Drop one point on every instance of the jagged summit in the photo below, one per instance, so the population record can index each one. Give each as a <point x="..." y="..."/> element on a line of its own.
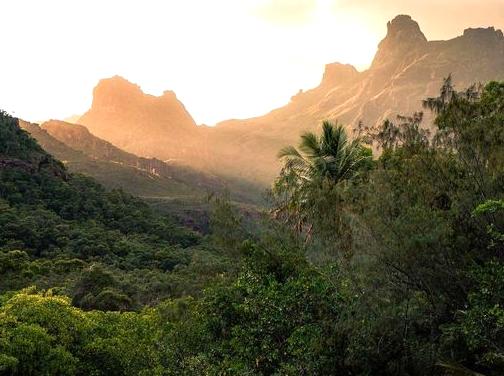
<point x="485" y="37"/>
<point x="109" y="90"/>
<point x="118" y="91"/>
<point x="406" y="69"/>
<point x="169" y="94"/>
<point x="130" y="119"/>
<point x="336" y="73"/>
<point x="118" y="81"/>
<point x="404" y="37"/>
<point x="404" y="29"/>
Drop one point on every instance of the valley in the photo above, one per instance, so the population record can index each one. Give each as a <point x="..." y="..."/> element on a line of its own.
<point x="358" y="230"/>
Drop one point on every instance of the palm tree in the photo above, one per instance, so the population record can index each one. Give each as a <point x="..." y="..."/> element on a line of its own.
<point x="332" y="156"/>
<point x="319" y="161"/>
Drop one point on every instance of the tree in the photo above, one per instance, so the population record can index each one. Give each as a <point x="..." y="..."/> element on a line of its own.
<point x="312" y="171"/>
<point x="331" y="156"/>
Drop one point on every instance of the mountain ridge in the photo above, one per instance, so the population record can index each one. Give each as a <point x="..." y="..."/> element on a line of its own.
<point x="406" y="69"/>
<point x="85" y="153"/>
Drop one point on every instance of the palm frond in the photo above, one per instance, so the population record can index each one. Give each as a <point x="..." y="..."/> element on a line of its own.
<point x="310" y="145"/>
<point x="289" y="151"/>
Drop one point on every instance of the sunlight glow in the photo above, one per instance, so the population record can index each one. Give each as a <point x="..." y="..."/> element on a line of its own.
<point x="223" y="58"/>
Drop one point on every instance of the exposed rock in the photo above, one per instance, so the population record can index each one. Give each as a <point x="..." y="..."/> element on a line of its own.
<point x="406" y="69"/>
<point x="79" y="138"/>
<point x="140" y="123"/>
<point x="403" y="39"/>
<point x="16" y="164"/>
<point x="486" y="35"/>
<point x="337" y="74"/>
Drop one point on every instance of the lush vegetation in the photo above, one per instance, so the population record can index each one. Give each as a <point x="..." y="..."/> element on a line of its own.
<point x="168" y="187"/>
<point x="104" y="249"/>
<point x="384" y="266"/>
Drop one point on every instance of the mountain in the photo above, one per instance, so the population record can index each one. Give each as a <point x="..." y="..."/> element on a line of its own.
<point x="79" y="138"/>
<point x="406" y="69"/>
<point x="139" y="123"/>
<point x="55" y="147"/>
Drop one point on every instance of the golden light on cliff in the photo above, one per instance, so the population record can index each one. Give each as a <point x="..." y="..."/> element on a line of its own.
<point x="223" y="58"/>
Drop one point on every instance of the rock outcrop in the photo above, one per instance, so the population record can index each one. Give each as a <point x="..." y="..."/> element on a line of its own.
<point x="139" y="123"/>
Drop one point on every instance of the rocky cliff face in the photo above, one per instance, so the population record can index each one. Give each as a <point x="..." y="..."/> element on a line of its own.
<point x="406" y="69"/>
<point x="139" y="123"/>
<point x="404" y="41"/>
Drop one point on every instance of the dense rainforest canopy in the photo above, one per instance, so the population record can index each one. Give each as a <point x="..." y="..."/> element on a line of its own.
<point x="390" y="265"/>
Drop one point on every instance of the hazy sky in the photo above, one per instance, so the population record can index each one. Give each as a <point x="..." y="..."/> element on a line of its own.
<point x="223" y="58"/>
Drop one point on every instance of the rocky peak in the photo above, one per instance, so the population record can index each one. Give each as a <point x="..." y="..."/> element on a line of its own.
<point x="403" y="37"/>
<point x="140" y="123"/>
<point x="483" y="36"/>
<point x="403" y="29"/>
<point x="115" y="89"/>
<point x="169" y="94"/>
<point x="338" y="74"/>
<point x="117" y="95"/>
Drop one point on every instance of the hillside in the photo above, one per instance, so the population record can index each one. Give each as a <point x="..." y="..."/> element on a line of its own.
<point x="391" y="266"/>
<point x="59" y="229"/>
<point x="170" y="180"/>
<point x="135" y="178"/>
<point x="357" y="230"/>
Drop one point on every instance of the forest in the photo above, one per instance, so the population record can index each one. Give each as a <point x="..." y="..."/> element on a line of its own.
<point x="380" y="252"/>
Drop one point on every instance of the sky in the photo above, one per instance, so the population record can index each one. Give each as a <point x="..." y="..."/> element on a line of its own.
<point x="223" y="58"/>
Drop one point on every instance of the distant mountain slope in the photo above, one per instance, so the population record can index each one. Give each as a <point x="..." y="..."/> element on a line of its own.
<point x="84" y="153"/>
<point x="79" y="138"/>
<point x="55" y="147"/>
<point x="406" y="69"/>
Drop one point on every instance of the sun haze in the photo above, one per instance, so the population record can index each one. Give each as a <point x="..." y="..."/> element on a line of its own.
<point x="223" y="58"/>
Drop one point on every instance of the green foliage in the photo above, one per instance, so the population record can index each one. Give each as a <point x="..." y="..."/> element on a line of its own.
<point x="424" y="235"/>
<point x="14" y="142"/>
<point x="476" y="336"/>
<point x="276" y="318"/>
<point x="42" y="334"/>
<point x="489" y="209"/>
<point x="419" y="291"/>
<point x="314" y="171"/>
<point x="55" y="226"/>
